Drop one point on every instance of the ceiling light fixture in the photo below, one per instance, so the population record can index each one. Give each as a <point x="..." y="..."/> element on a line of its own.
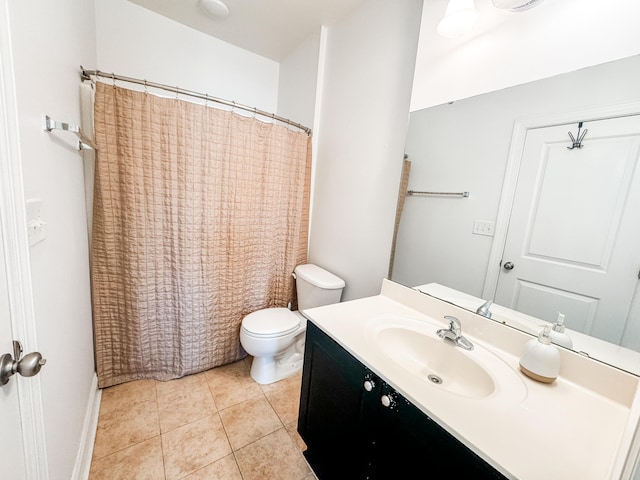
<point x="214" y="8"/>
<point x="459" y="18"/>
<point x="515" y="5"/>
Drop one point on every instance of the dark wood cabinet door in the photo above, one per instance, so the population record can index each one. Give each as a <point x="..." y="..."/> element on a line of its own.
<point x="412" y="445"/>
<point x="331" y="410"/>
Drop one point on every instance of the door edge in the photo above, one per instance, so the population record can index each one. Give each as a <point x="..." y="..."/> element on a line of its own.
<point x="14" y="232"/>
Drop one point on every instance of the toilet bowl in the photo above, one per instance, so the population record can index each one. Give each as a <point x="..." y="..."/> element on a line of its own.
<point x="275" y="339"/>
<point x="275" y="336"/>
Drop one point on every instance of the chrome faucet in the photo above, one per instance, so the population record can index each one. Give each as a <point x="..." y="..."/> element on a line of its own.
<point x="484" y="309"/>
<point x="454" y="333"/>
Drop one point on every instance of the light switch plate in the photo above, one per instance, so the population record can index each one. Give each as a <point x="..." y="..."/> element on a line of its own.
<point x="36" y="226"/>
<point x="484" y="227"/>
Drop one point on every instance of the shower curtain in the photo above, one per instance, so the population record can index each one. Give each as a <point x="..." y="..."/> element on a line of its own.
<point x="402" y="195"/>
<point x="200" y="216"/>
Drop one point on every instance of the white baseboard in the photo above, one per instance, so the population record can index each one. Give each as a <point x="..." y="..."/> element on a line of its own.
<point x="89" y="427"/>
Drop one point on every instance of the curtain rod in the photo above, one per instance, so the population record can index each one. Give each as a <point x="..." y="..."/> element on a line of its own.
<point x="87" y="74"/>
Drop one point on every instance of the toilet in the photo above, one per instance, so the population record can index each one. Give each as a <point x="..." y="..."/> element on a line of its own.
<point x="275" y="336"/>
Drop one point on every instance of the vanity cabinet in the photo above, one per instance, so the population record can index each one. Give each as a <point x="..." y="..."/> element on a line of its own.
<point x="356" y="426"/>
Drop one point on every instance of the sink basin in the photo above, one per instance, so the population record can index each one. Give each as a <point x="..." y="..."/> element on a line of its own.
<point x="414" y="346"/>
<point x="436" y="361"/>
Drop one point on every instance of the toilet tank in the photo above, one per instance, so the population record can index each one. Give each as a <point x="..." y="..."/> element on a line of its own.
<point x="316" y="286"/>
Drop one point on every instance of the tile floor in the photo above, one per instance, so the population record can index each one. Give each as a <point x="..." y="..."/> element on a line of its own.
<point x="215" y="425"/>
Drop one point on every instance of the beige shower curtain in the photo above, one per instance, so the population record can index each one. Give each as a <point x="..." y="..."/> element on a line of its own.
<point x="402" y="196"/>
<point x="200" y="216"/>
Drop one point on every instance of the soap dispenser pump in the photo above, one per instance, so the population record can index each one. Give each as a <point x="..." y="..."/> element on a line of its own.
<point x="541" y="359"/>
<point x="558" y="335"/>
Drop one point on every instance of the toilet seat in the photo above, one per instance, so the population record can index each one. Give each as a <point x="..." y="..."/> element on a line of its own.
<point x="270" y="322"/>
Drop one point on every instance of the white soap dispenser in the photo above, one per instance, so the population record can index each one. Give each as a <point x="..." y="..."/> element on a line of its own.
<point x="558" y="335"/>
<point x="541" y="359"/>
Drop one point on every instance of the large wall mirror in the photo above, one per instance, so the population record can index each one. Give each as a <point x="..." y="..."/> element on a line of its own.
<point x="546" y="228"/>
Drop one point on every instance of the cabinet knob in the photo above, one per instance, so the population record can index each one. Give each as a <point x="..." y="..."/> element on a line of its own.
<point x="388" y="400"/>
<point x="369" y="385"/>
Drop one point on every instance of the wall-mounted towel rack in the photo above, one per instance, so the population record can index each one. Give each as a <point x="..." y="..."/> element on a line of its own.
<point x="83" y="142"/>
<point x="439" y="194"/>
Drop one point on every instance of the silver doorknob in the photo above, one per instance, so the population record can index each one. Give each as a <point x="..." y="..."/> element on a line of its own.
<point x="508" y="266"/>
<point x="31" y="364"/>
<point x="27" y="366"/>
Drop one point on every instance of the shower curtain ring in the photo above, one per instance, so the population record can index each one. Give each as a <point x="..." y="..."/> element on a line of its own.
<point x="177" y="92"/>
<point x="206" y="99"/>
<point x="113" y="79"/>
<point x="145" y="86"/>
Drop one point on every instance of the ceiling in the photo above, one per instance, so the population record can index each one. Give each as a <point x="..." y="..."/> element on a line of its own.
<point x="271" y="28"/>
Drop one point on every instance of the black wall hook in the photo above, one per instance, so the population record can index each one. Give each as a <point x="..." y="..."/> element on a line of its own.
<point x="577" y="141"/>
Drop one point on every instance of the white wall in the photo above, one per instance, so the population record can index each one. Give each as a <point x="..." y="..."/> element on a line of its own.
<point x="363" y="116"/>
<point x="507" y="49"/>
<point x="135" y="42"/>
<point x="297" y="82"/>
<point x="464" y="147"/>
<point x="50" y="41"/>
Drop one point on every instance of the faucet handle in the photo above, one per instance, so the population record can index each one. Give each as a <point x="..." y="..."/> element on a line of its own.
<point x="454" y="324"/>
<point x="454" y="333"/>
<point x="484" y="308"/>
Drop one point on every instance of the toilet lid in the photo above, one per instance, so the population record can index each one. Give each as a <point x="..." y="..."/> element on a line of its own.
<point x="271" y="321"/>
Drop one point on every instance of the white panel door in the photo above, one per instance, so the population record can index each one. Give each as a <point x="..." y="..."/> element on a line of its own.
<point x="574" y="234"/>
<point x="12" y="461"/>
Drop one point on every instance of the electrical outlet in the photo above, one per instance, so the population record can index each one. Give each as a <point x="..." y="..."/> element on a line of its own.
<point x="484" y="227"/>
<point x="36" y="226"/>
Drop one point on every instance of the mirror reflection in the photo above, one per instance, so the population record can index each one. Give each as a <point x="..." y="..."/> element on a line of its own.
<point x="550" y="230"/>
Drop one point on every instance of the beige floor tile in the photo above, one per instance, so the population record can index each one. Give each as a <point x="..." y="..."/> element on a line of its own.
<point x="196" y="441"/>
<point x="292" y="429"/>
<point x="224" y="469"/>
<point x="127" y="395"/>
<point x="193" y="446"/>
<point x="184" y="405"/>
<point x="142" y="461"/>
<point x="284" y="383"/>
<point x="248" y="360"/>
<point x="125" y="427"/>
<point x="248" y="421"/>
<point x="273" y="457"/>
<point x="292" y="426"/>
<point x="171" y="386"/>
<point x="231" y="384"/>
<point x="284" y="397"/>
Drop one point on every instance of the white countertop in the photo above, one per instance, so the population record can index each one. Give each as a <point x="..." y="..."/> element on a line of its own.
<point x="579" y="427"/>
